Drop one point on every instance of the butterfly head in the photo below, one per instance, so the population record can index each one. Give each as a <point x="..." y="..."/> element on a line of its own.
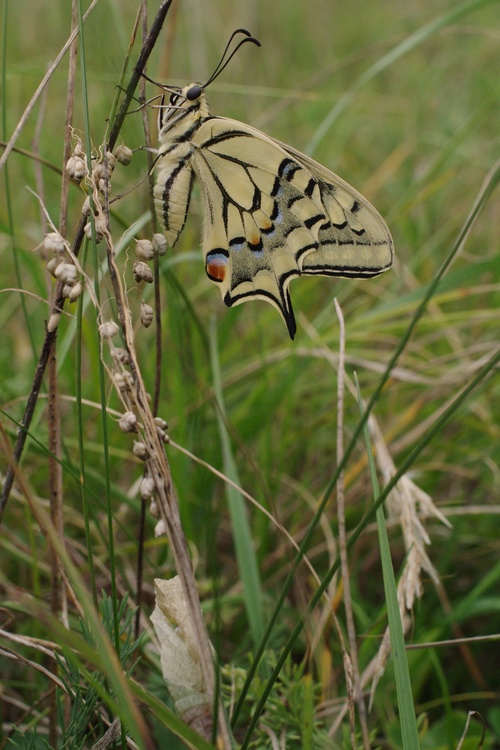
<point x="182" y="109"/>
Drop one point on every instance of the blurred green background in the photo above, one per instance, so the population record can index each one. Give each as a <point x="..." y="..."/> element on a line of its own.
<point x="418" y="138"/>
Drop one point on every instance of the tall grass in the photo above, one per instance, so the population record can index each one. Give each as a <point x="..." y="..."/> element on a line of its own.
<point x="400" y="100"/>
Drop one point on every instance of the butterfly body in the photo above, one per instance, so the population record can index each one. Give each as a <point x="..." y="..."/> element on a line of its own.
<point x="271" y="213"/>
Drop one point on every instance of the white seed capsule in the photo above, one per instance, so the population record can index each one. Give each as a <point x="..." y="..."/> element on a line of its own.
<point x="79" y="150"/>
<point x="53" y="322"/>
<point x="123" y="155"/>
<point x="99" y="229"/>
<point x="124" y="381"/>
<point x="54" y="243"/>
<point x="160" y="528"/>
<point x="86" y="206"/>
<point x="104" y="186"/>
<point x="76" y="169"/>
<point x="52" y="264"/>
<point x="100" y="171"/>
<point x="121" y="382"/>
<point x="161" y="423"/>
<point x="162" y="435"/>
<point x="67" y="273"/>
<point x="160" y="243"/>
<point x="144" y="250"/>
<point x="147" y="488"/>
<point x="142" y="272"/>
<point x="109" y="329"/>
<point x="139" y="449"/>
<point x="120" y="355"/>
<point x="147" y="314"/>
<point x="75" y="291"/>
<point x="128" y="422"/>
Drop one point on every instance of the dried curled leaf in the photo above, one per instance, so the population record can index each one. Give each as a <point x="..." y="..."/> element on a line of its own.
<point x="179" y="652"/>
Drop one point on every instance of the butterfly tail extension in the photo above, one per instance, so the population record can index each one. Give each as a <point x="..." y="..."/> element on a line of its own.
<point x="270" y="289"/>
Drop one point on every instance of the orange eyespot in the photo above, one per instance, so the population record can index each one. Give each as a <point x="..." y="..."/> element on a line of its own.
<point x="216" y="264"/>
<point x="216" y="271"/>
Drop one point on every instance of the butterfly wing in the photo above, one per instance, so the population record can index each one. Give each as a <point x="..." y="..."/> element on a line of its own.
<point x="273" y="214"/>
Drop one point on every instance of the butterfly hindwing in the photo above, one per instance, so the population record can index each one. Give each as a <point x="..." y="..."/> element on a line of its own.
<point x="357" y="243"/>
<point x="273" y="214"/>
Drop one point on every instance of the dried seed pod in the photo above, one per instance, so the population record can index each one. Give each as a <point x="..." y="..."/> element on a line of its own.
<point x="162" y="435"/>
<point x="79" y="150"/>
<point x="123" y="155"/>
<point x="109" y="329"/>
<point x="128" y="422"/>
<point x="67" y="290"/>
<point x="86" y="206"/>
<point x="147" y="314"/>
<point x="120" y="355"/>
<point x="154" y="509"/>
<point x="99" y="172"/>
<point x="53" y="322"/>
<point x="75" y="291"/>
<point x="144" y="250"/>
<point x="160" y="243"/>
<point x="159" y="422"/>
<point x="123" y="381"/>
<point x="104" y="167"/>
<point x="54" y="243"/>
<point x="104" y="186"/>
<point x="140" y="450"/>
<point x="142" y="272"/>
<point x="99" y="225"/>
<point x="67" y="273"/>
<point x="160" y="528"/>
<point x="147" y="488"/>
<point x="76" y="169"/>
<point x="52" y="264"/>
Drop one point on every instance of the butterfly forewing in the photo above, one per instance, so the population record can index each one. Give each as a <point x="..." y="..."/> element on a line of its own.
<point x="271" y="213"/>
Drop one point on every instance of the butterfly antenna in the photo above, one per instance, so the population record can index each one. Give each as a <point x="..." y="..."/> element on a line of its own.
<point x="160" y="85"/>
<point x="223" y="62"/>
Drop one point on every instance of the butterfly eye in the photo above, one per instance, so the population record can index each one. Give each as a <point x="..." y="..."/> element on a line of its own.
<point x="193" y="93"/>
<point x="173" y="98"/>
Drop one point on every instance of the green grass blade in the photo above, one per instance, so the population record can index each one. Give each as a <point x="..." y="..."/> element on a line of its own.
<point x="408" y="720"/>
<point x="244" y="546"/>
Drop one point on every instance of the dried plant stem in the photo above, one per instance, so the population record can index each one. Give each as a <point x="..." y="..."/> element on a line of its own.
<point x="59" y="601"/>
<point x="352" y="672"/>
<point x="70" y="106"/>
<point x="159" y="469"/>
<point x="157" y="327"/>
<point x="51" y="330"/>
<point x="59" y="604"/>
